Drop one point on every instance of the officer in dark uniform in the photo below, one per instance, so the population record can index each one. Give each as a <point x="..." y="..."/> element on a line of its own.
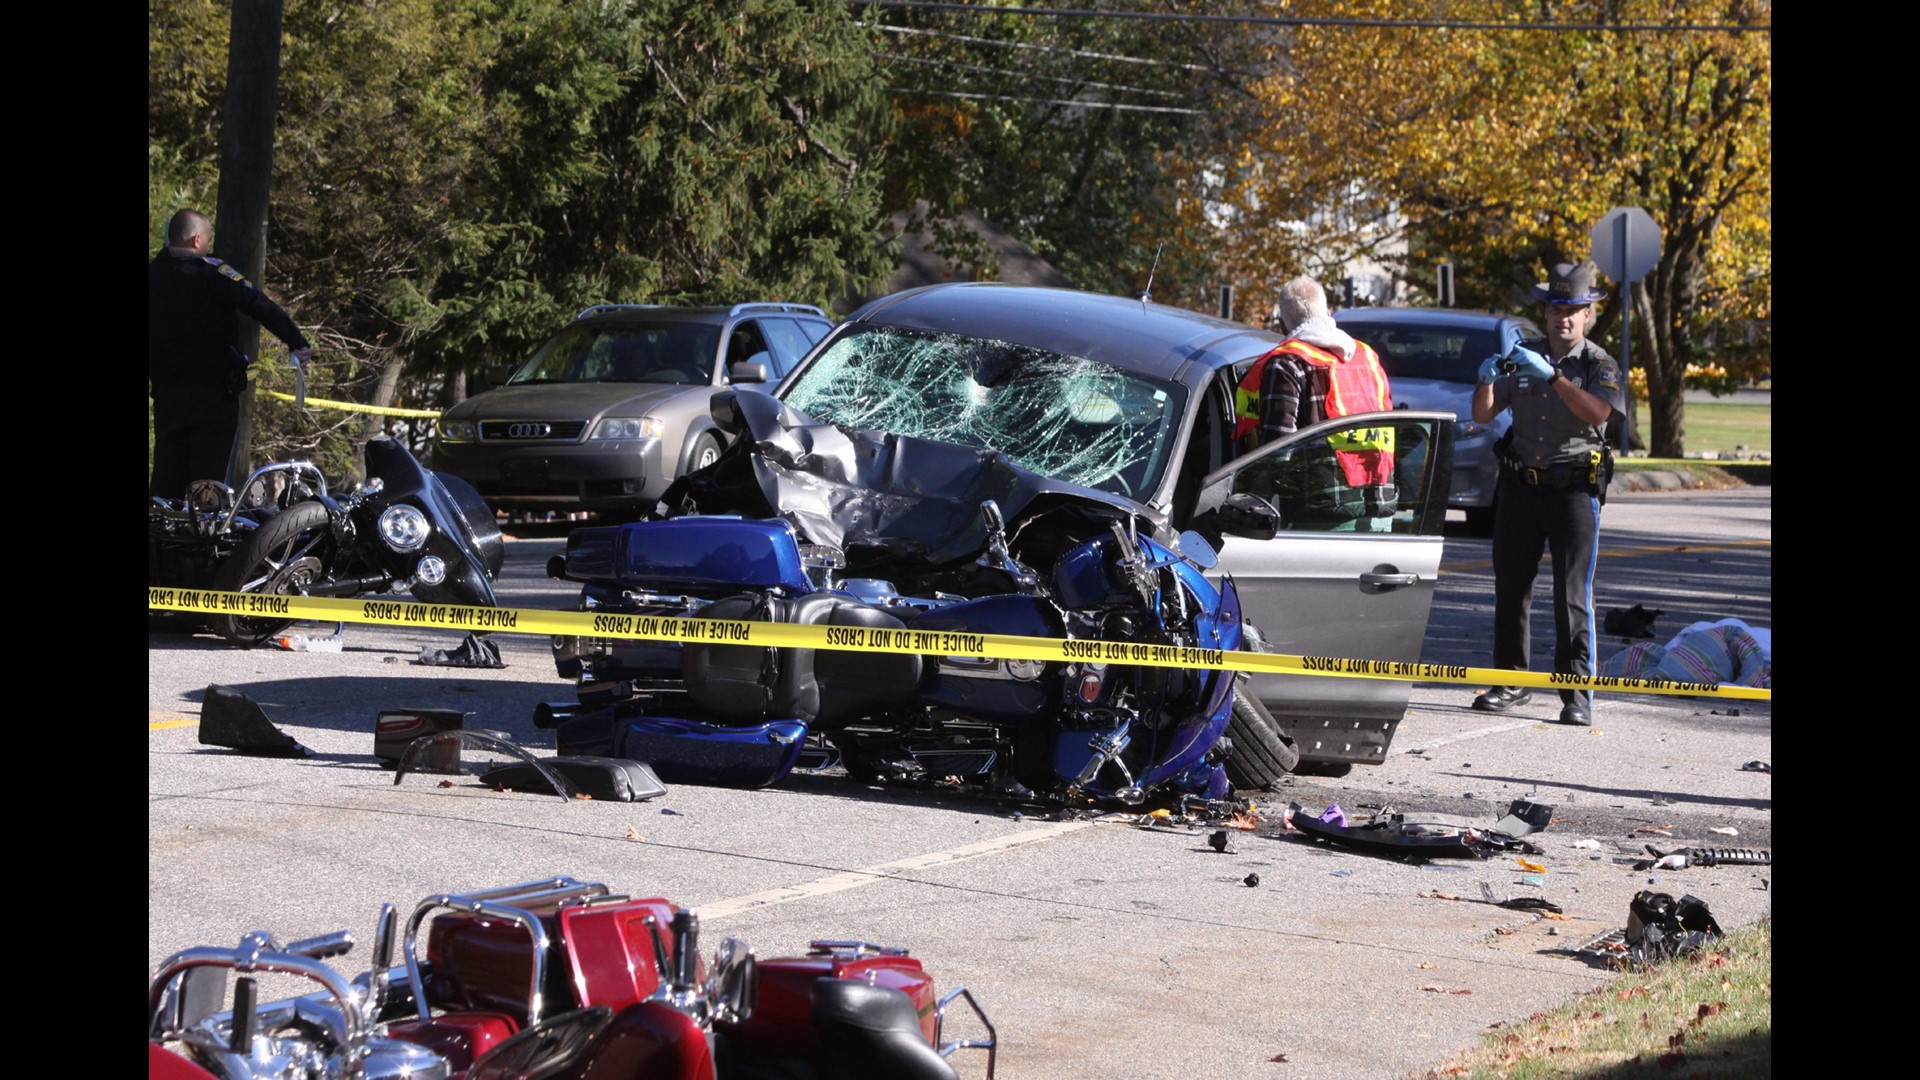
<point x="1553" y="478"/>
<point x="195" y="370"/>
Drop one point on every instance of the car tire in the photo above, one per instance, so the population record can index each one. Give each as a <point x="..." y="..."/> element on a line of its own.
<point x="1262" y="753"/>
<point x="704" y="452"/>
<point x="281" y="557"/>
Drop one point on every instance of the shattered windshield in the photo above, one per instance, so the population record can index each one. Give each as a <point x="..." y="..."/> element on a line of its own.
<point x="1061" y="416"/>
<point x="589" y="351"/>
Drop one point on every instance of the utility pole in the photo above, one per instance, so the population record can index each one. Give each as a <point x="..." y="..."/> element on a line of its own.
<point x="246" y="174"/>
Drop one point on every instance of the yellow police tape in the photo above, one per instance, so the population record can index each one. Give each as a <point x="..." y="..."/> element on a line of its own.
<point x="876" y="639"/>
<point x="352" y="406"/>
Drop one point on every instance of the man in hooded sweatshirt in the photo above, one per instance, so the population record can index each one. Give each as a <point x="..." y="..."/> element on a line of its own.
<point x="1320" y="372"/>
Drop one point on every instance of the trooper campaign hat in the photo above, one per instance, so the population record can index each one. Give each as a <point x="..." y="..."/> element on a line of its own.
<point x="1569" y="283"/>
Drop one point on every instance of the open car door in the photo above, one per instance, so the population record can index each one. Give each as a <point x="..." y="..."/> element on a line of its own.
<point x="1330" y="569"/>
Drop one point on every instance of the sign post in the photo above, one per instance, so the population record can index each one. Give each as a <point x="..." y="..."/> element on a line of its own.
<point x="1626" y="245"/>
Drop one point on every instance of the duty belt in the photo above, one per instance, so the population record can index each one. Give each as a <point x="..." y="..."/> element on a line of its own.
<point x="1560" y="474"/>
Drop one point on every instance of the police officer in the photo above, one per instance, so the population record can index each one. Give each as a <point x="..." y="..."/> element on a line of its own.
<point x="1553" y="478"/>
<point x="195" y="370"/>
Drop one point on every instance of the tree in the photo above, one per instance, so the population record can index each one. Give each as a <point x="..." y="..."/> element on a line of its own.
<point x="1500" y="148"/>
<point x="456" y="178"/>
<point x="1057" y="129"/>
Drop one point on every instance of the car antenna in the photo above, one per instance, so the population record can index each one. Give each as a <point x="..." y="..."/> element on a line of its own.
<point x="1146" y="294"/>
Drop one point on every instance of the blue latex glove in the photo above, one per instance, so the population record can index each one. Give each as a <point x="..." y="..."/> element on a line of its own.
<point x="1490" y="370"/>
<point x="1531" y="363"/>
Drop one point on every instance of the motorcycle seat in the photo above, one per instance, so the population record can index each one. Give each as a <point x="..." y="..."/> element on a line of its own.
<point x="873" y="1031"/>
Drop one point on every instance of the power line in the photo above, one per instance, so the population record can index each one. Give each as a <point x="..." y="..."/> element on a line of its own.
<point x="957" y="65"/>
<point x="1289" y="20"/>
<point x="1046" y="101"/>
<point x="1038" y="48"/>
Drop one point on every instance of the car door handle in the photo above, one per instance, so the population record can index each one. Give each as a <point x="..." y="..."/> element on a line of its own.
<point x="1378" y="581"/>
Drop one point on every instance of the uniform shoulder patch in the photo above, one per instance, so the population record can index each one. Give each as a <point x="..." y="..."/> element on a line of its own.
<point x="232" y="273"/>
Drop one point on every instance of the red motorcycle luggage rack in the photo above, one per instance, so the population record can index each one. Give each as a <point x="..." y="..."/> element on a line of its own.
<point x="490" y="949"/>
<point x="495" y="950"/>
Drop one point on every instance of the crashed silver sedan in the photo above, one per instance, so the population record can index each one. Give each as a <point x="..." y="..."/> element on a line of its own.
<point x="1135" y="399"/>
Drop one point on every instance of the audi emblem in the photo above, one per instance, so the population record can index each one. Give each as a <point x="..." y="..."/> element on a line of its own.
<point x="529" y="431"/>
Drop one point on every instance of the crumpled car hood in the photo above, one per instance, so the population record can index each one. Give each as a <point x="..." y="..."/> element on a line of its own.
<point x="876" y="495"/>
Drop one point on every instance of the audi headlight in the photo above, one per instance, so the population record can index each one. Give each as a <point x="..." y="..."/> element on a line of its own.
<point x="431" y="570"/>
<point x="404" y="527"/>
<point x="646" y="427"/>
<point x="456" y="430"/>
<point x="1468" y="429"/>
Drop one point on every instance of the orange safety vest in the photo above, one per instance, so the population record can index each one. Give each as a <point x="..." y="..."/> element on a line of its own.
<point x="1354" y="385"/>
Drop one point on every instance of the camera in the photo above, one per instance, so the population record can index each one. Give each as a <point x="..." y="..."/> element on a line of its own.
<point x="1508" y="365"/>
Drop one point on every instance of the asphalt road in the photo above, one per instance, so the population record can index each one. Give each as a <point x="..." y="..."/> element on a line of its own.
<point x="1100" y="948"/>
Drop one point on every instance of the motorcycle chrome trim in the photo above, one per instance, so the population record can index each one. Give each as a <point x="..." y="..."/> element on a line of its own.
<point x="945" y="1048"/>
<point x="663" y="600"/>
<point x="498" y="903"/>
<point x="1106" y="747"/>
<point x="299" y="471"/>
<point x="431" y="569"/>
<point x="851" y="950"/>
<point x="733" y="982"/>
<point x="404" y="528"/>
<point x="256" y="954"/>
<point x="986" y="667"/>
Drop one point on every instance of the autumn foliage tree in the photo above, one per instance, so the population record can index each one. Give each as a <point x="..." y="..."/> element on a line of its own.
<point x="1499" y="142"/>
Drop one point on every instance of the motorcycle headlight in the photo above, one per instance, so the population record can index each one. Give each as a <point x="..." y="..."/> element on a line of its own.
<point x="431" y="570"/>
<point x="646" y="427"/>
<point x="404" y="527"/>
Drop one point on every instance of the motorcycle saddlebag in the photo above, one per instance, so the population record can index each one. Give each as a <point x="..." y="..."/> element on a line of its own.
<point x="682" y="751"/>
<point x="759" y="683"/>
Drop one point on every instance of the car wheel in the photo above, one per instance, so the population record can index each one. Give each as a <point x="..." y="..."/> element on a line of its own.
<point x="1262" y="753"/>
<point x="706" y="451"/>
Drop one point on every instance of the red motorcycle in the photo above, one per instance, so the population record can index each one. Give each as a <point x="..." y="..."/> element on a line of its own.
<point x="550" y="980"/>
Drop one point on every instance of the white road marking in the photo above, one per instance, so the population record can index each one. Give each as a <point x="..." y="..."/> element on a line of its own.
<point x="1476" y="733"/>
<point x="853" y="879"/>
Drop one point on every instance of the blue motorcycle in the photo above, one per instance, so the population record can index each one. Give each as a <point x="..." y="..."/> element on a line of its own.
<point x="884" y="539"/>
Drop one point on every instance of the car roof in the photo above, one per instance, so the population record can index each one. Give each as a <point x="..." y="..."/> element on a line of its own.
<point x="1429" y="316"/>
<point x="699" y="313"/>
<point x="1135" y="336"/>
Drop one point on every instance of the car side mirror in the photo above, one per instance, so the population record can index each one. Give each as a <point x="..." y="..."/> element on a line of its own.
<point x="750" y="371"/>
<point x="724" y="408"/>
<point x="1249" y="515"/>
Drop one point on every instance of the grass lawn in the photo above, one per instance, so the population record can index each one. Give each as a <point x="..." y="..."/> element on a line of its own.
<point x="1709" y="1014"/>
<point x="1723" y="426"/>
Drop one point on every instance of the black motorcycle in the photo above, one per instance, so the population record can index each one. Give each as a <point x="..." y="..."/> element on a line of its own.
<point x="405" y="529"/>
